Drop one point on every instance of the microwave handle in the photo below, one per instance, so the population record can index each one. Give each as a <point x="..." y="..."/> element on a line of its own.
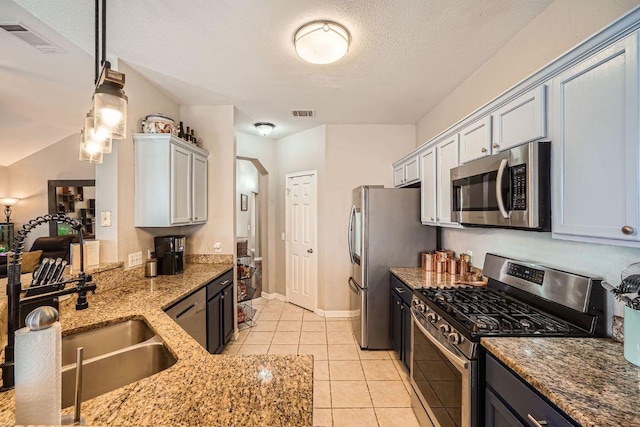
<point x="501" y="168"/>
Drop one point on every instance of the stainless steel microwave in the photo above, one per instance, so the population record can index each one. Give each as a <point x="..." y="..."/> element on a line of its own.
<point x="510" y="189"/>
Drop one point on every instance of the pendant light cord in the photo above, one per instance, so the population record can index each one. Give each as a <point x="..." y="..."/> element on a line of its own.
<point x="96" y="43"/>
<point x="104" y="32"/>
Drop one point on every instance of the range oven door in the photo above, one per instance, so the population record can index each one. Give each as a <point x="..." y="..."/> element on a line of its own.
<point x="442" y="378"/>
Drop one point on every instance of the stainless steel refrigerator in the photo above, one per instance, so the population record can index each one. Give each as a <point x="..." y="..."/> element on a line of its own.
<point x="384" y="231"/>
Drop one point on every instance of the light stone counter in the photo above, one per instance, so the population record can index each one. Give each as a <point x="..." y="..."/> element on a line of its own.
<point x="418" y="278"/>
<point x="588" y="378"/>
<point x="200" y="389"/>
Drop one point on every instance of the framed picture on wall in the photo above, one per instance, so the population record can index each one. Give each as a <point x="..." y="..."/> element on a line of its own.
<point x="244" y="202"/>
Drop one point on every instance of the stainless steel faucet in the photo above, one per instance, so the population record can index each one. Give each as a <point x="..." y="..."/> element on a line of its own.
<point x="83" y="283"/>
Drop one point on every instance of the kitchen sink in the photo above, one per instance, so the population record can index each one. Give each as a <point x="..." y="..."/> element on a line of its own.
<point x="114" y="356"/>
<point x="105" y="339"/>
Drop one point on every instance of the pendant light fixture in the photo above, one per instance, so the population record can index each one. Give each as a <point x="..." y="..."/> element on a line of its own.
<point x="322" y="42"/>
<point x="107" y="119"/>
<point x="264" y="128"/>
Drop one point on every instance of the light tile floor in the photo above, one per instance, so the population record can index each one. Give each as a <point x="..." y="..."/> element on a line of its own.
<point x="351" y="387"/>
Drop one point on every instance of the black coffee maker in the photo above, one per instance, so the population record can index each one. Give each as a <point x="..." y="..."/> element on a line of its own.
<point x="170" y="254"/>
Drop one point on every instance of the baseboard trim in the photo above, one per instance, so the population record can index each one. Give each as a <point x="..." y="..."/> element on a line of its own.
<point x="336" y="313"/>
<point x="274" y="295"/>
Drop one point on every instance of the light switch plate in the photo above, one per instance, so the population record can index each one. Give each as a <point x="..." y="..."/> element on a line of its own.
<point x="217" y="247"/>
<point x="135" y="259"/>
<point x="105" y="219"/>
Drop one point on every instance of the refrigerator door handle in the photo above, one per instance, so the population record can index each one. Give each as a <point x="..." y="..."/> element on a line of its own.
<point x="350" y="233"/>
<point x="354" y="286"/>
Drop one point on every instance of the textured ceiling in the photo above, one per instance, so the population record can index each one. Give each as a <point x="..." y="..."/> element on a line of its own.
<point x="405" y="56"/>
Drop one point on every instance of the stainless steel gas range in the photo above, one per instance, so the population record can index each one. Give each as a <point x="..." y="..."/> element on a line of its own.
<point x="520" y="299"/>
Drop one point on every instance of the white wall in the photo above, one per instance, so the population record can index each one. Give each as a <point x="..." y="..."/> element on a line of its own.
<point x="247" y="182"/>
<point x="214" y="124"/>
<point x="355" y="155"/>
<point x="562" y="25"/>
<point x="27" y="180"/>
<point x="115" y="177"/>
<point x="263" y="151"/>
<point x="4" y="181"/>
<point x="303" y="151"/>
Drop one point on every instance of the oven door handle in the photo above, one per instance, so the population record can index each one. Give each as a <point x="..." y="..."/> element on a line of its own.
<point x="460" y="363"/>
<point x="503" y="165"/>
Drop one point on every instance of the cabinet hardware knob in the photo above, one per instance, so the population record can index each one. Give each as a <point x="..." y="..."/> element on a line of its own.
<point x="310" y="251"/>
<point x="437" y="219"/>
<point x="536" y="422"/>
<point x="484" y="150"/>
<point x="431" y="218"/>
<point x="496" y="145"/>
<point x="627" y="230"/>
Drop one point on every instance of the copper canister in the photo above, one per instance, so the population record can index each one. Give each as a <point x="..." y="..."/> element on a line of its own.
<point x="465" y="266"/>
<point x="453" y="266"/>
<point x="466" y="257"/>
<point x="445" y="254"/>
<point x="428" y="261"/>
<point x="441" y="266"/>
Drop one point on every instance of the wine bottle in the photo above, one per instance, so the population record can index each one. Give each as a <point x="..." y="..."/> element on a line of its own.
<point x="187" y="136"/>
<point x="193" y="137"/>
<point x="181" y="131"/>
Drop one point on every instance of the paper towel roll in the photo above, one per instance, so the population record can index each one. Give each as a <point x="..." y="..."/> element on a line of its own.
<point x="38" y="360"/>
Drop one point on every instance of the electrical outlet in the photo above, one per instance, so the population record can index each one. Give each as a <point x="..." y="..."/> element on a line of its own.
<point x="135" y="259"/>
<point x="217" y="247"/>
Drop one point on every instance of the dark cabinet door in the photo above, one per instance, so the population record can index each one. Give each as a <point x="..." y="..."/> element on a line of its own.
<point x="396" y="323"/>
<point x="214" y="324"/>
<point x="406" y="335"/>
<point x="227" y="313"/>
<point x="497" y="414"/>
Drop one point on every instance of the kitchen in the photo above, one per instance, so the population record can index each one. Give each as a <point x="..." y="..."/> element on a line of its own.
<point x="331" y="149"/>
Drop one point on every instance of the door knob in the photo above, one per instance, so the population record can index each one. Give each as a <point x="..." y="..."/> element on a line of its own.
<point x="310" y="251"/>
<point x="627" y="230"/>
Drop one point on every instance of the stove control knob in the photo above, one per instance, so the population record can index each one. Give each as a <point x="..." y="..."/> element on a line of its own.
<point x="415" y="302"/>
<point x="454" y="338"/>
<point x="444" y="328"/>
<point x="432" y="317"/>
<point x="422" y="308"/>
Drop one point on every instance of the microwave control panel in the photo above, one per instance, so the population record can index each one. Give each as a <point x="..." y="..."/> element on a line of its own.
<point x="519" y="187"/>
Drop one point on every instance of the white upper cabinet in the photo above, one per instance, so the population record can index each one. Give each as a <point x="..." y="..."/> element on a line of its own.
<point x="170" y="181"/>
<point x="180" y="194"/>
<point x="475" y="140"/>
<point x="446" y="159"/>
<point x="594" y="131"/>
<point x="407" y="172"/>
<point x="428" y="180"/>
<point x="520" y="121"/>
<point x="200" y="188"/>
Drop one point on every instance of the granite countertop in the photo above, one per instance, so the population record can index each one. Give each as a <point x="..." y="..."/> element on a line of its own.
<point x="418" y="278"/>
<point x="588" y="378"/>
<point x="200" y="388"/>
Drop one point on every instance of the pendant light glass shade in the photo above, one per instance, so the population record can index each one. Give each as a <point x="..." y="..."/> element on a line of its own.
<point x="321" y="42"/>
<point x="89" y="150"/>
<point x="96" y="138"/>
<point x="110" y="109"/>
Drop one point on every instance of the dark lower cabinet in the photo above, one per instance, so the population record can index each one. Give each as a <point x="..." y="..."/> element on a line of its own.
<point x="401" y="319"/>
<point x="510" y="401"/>
<point x="227" y="313"/>
<point x="219" y="312"/>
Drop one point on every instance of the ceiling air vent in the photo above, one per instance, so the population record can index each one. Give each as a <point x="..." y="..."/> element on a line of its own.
<point x="26" y="35"/>
<point x="303" y="113"/>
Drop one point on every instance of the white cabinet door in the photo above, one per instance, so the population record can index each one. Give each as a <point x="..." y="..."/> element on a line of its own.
<point x="428" y="178"/>
<point x="199" y="182"/>
<point x="180" y="185"/>
<point x="398" y="175"/>
<point x="412" y="170"/>
<point x="447" y="158"/>
<point x="595" y="146"/>
<point x="521" y="120"/>
<point x="475" y="140"/>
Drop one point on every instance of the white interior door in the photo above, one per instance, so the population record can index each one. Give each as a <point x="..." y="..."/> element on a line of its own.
<point x="302" y="257"/>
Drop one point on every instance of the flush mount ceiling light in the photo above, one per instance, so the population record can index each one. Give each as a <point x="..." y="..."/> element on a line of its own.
<point x="264" y="128"/>
<point x="321" y="42"/>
